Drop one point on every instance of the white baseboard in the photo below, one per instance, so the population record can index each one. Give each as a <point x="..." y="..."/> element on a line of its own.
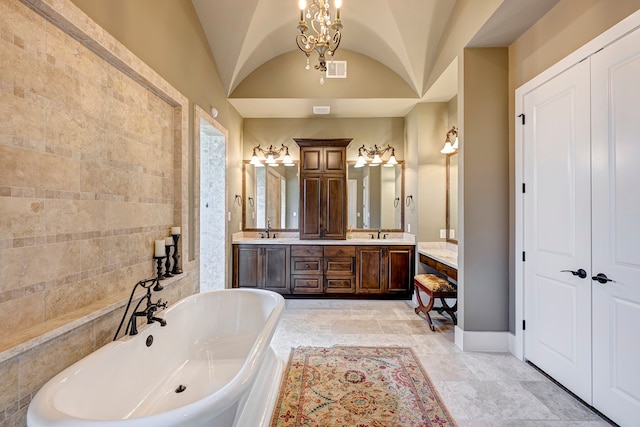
<point x="514" y="346"/>
<point x="482" y="340"/>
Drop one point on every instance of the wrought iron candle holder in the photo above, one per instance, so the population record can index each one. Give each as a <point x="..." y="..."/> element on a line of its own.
<point x="167" y="264"/>
<point x="160" y="277"/>
<point x="176" y="255"/>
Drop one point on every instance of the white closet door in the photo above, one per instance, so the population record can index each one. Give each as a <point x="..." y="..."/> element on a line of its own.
<point x="616" y="229"/>
<point x="557" y="229"/>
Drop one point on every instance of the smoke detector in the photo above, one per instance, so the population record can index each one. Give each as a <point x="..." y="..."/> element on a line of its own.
<point x="321" y="109"/>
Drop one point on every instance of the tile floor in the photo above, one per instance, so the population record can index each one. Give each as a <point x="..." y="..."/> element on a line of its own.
<point x="480" y="389"/>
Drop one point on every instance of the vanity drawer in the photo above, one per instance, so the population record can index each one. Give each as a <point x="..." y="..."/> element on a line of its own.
<point x="440" y="267"/>
<point x="306" y="265"/>
<point x="306" y="284"/>
<point x="341" y="266"/>
<point x="303" y="250"/>
<point x="429" y="261"/>
<point x="343" y="251"/>
<point x="340" y="285"/>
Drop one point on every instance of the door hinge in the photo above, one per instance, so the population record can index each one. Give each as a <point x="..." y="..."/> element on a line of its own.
<point x="522" y="117"/>
<point x="524" y="256"/>
<point x="524" y="324"/>
<point x="524" y="190"/>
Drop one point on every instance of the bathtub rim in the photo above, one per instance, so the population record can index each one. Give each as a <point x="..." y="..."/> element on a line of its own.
<point x="42" y="409"/>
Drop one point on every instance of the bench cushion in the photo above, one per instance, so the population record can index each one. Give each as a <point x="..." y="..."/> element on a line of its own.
<point x="434" y="283"/>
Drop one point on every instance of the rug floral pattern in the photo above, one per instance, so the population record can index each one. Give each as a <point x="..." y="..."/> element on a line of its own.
<point x="359" y="387"/>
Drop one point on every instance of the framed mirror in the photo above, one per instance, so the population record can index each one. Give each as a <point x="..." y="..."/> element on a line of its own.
<point x="375" y="197"/>
<point x="270" y="195"/>
<point x="452" y="198"/>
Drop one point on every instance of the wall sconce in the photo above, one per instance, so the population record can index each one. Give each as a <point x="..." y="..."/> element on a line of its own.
<point x="271" y="154"/>
<point x="450" y="147"/>
<point x="376" y="153"/>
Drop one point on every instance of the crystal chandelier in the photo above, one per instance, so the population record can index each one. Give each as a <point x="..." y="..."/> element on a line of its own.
<point x="325" y="38"/>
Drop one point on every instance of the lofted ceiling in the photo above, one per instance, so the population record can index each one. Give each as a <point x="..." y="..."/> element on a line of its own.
<point x="400" y="35"/>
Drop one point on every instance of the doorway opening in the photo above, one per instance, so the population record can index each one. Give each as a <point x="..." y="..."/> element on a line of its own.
<point x="213" y="226"/>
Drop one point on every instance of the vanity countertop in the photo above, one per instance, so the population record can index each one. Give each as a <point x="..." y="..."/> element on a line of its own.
<point x="446" y="253"/>
<point x="361" y="240"/>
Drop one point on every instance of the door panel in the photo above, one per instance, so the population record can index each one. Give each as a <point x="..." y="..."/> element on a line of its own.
<point x="335" y="206"/>
<point x="310" y="194"/>
<point x="369" y="277"/>
<point x="557" y="229"/>
<point x="616" y="229"/>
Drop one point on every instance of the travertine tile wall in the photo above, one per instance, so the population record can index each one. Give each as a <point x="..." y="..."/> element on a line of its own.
<point x="89" y="177"/>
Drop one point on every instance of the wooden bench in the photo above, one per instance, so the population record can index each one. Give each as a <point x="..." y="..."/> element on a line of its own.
<point x="435" y="287"/>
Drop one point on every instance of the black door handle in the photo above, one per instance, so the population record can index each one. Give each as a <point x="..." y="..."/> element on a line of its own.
<point x="580" y="273"/>
<point x="601" y="277"/>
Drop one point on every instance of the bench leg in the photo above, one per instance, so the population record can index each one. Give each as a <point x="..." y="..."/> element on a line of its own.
<point x="422" y="309"/>
<point x="451" y="311"/>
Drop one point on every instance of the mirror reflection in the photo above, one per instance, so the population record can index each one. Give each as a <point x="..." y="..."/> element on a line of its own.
<point x="375" y="197"/>
<point x="271" y="197"/>
<point x="452" y="197"/>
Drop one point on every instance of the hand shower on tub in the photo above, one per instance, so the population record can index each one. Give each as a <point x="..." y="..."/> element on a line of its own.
<point x="149" y="310"/>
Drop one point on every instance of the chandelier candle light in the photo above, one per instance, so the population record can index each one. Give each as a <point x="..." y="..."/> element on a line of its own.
<point x="326" y="34"/>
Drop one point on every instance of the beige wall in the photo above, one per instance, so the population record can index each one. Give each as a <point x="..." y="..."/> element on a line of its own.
<point x="484" y="183"/>
<point x="94" y="168"/>
<point x="430" y="198"/>
<point x="167" y="36"/>
<point x="564" y="29"/>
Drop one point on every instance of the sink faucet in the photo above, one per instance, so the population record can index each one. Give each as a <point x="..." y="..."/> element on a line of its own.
<point x="378" y="234"/>
<point x="268" y="229"/>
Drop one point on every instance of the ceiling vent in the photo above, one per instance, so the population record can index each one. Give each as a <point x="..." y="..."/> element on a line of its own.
<point x="321" y="109"/>
<point x="337" y="69"/>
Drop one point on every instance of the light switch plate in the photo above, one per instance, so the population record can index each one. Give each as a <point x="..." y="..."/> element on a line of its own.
<point x="443" y="233"/>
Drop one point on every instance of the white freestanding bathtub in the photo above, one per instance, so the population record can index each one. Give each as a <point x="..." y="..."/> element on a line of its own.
<point x="210" y="365"/>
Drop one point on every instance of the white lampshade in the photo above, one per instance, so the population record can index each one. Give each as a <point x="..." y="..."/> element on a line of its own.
<point x="392" y="161"/>
<point x="270" y="160"/>
<point x="360" y="162"/>
<point x="455" y="144"/>
<point x="447" y="149"/>
<point x="376" y="160"/>
<point x="287" y="160"/>
<point x="254" y="159"/>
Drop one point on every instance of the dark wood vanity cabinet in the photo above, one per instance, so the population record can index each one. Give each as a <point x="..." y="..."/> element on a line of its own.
<point x="323" y="188"/>
<point x="384" y="269"/>
<point x="325" y="270"/>
<point x="262" y="267"/>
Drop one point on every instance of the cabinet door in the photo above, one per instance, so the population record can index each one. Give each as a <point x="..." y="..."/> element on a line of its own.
<point x="311" y="159"/>
<point x="247" y="265"/>
<point x="400" y="263"/>
<point x="334" y="201"/>
<point x="276" y="262"/>
<point x="311" y="206"/>
<point x="370" y="270"/>
<point x="334" y="160"/>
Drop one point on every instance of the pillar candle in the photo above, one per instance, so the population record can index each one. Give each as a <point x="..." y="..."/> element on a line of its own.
<point x="175" y="230"/>
<point x="160" y="248"/>
<point x="168" y="241"/>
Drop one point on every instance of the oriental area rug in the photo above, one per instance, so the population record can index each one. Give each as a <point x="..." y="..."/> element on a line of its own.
<point x="359" y="387"/>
